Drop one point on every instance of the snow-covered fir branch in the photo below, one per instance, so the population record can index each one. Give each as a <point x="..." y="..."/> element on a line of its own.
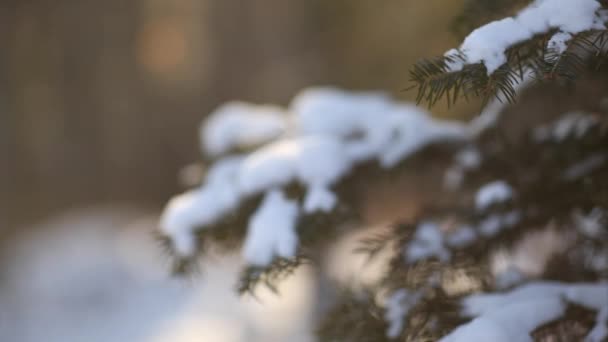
<point x="316" y="141"/>
<point x="514" y="230"/>
<point x="488" y="44"/>
<point x="557" y="40"/>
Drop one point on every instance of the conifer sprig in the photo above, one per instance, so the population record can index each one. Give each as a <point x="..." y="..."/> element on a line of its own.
<point x="434" y="81"/>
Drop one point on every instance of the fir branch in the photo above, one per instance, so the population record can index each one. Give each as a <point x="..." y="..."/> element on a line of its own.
<point x="356" y="318"/>
<point x="372" y="245"/>
<point x="433" y="79"/>
<point x="270" y="276"/>
<point x="552" y="199"/>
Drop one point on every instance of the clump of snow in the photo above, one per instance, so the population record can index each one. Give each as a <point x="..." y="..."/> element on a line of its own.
<point x="599" y="332"/>
<point x="319" y="198"/>
<point x="511" y="218"/>
<point x="461" y="237"/>
<point x="590" y="295"/>
<point x="369" y="124"/>
<point x="592" y="224"/>
<point x="513" y="321"/>
<point x="201" y="207"/>
<point x="271" y="230"/>
<point x="495" y="223"/>
<point x="314" y="160"/>
<point x="332" y="112"/>
<point x="412" y="129"/>
<point x="468" y="158"/>
<point x="491" y="225"/>
<point x="558" y="42"/>
<point x="487" y="44"/>
<point x="492" y="193"/>
<point x="508" y="278"/>
<point x="585" y="166"/>
<point x="453" y="177"/>
<point x="398" y="305"/>
<point x="427" y="242"/>
<point x="597" y="260"/>
<point x="571" y="124"/>
<point x="324" y="135"/>
<point x="513" y="315"/>
<point x="240" y="124"/>
<point x="465" y="160"/>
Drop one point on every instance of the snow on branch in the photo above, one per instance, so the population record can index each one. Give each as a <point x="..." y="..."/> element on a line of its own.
<point x="488" y="43"/>
<point x="315" y="142"/>
<point x="513" y="315"/>
<point x="240" y="125"/>
<point x="550" y="38"/>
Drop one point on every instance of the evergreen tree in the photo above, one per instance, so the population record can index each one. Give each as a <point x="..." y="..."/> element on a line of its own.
<point x="288" y="182"/>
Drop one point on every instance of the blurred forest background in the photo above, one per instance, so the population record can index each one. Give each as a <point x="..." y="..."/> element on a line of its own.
<point x="100" y="100"/>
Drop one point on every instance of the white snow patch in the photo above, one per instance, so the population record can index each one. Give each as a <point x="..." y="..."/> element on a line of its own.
<point x="314" y="160"/>
<point x="319" y="198"/>
<point x="599" y="332"/>
<point x="201" y="207"/>
<point x="398" y="305"/>
<point x="461" y="237"/>
<point x="331" y="111"/>
<point x="513" y="315"/>
<point x="329" y="132"/>
<point x="491" y="193"/>
<point x="495" y="223"/>
<point x="508" y="278"/>
<point x="592" y="224"/>
<point x="427" y="242"/>
<point x="571" y="124"/>
<point x="585" y="166"/>
<point x="241" y="124"/>
<point x="271" y="230"/>
<point x="413" y="129"/>
<point x="453" y="177"/>
<point x="466" y="159"/>
<point x="558" y="42"/>
<point x="491" y="225"/>
<point x="487" y="44"/>
<point x="370" y="124"/>
<point x="512" y="321"/>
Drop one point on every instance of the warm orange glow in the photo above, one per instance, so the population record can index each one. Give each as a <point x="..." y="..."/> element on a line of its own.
<point x="162" y="46"/>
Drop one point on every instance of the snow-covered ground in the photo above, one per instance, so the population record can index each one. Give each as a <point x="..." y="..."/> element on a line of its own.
<point x="98" y="275"/>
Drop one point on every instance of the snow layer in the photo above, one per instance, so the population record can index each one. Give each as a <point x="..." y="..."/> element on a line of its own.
<point x="491" y="193"/>
<point x="495" y="223"/>
<point x="427" y="242"/>
<point x="314" y="160"/>
<point x="510" y="322"/>
<point x="592" y="224"/>
<point x="272" y="230"/>
<point x="513" y="315"/>
<point x="398" y="305"/>
<point x="487" y="44"/>
<point x="369" y="124"/>
<point x="571" y="124"/>
<point x="467" y="159"/>
<point x="200" y="207"/>
<point x="558" y="42"/>
<point x="600" y="331"/>
<point x="585" y="166"/>
<point x="240" y="124"/>
<point x="331" y="132"/>
<point x="461" y="237"/>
